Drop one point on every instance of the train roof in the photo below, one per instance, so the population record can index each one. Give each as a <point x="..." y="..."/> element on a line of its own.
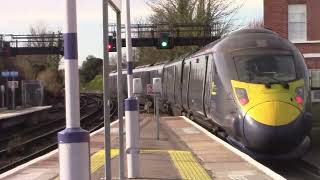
<point x="250" y="39"/>
<point x="227" y="45"/>
<point x="248" y="31"/>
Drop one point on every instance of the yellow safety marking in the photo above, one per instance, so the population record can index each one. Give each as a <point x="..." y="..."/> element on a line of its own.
<point x="184" y="161"/>
<point x="97" y="159"/>
<point x="187" y="166"/>
<point x="270" y="106"/>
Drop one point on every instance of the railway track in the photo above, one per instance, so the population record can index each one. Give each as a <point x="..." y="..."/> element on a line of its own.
<point x="295" y="169"/>
<point x="91" y="120"/>
<point x="56" y="118"/>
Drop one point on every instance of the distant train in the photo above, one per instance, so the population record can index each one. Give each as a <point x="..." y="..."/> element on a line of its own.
<point x="252" y="85"/>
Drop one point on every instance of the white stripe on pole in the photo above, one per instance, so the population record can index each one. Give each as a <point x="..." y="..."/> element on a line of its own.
<point x="72" y="94"/>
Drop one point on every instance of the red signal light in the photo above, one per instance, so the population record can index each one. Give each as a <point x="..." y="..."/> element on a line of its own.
<point x="109" y="46"/>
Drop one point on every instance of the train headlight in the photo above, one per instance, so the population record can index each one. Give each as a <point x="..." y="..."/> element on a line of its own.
<point x="242" y="96"/>
<point x="299" y="95"/>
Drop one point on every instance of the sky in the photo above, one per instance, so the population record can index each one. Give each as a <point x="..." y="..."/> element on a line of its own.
<point x="17" y="16"/>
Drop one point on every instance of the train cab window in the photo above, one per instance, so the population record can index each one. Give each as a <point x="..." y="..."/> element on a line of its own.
<point x="265" y="68"/>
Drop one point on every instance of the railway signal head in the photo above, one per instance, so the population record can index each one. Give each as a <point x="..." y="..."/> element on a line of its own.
<point x="165" y="41"/>
<point x="112" y="45"/>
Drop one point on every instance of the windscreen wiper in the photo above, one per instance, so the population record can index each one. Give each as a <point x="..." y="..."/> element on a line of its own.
<point x="283" y="83"/>
<point x="268" y="84"/>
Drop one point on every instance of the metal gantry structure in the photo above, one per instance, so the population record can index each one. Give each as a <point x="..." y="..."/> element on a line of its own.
<point x="148" y="35"/>
<point x="143" y="35"/>
<point x="13" y="45"/>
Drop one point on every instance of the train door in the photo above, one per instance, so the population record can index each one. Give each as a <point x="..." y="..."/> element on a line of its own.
<point x="196" y="87"/>
<point x="167" y="86"/>
<point x="174" y="83"/>
<point x="185" y="85"/>
<point x="211" y="90"/>
<point x="178" y="85"/>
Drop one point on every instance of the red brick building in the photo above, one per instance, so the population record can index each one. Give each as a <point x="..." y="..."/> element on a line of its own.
<point x="299" y="21"/>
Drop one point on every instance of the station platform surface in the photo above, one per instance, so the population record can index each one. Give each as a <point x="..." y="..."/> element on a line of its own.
<point x="184" y="151"/>
<point x="5" y="114"/>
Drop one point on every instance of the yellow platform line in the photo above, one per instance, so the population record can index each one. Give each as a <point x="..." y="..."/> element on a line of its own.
<point x="97" y="159"/>
<point x="187" y="166"/>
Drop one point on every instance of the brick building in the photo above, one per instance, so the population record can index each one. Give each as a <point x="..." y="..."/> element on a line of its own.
<point x="299" y="21"/>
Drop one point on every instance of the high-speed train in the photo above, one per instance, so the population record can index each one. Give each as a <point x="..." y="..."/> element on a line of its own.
<point x="252" y="85"/>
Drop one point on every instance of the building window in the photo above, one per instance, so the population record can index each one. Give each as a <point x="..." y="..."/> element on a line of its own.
<point x="297" y="22"/>
<point x="315" y="78"/>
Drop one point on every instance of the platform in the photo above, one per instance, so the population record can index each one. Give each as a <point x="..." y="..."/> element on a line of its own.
<point x="5" y="114"/>
<point x="184" y="151"/>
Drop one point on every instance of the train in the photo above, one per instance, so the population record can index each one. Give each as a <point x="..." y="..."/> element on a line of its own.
<point x="250" y="86"/>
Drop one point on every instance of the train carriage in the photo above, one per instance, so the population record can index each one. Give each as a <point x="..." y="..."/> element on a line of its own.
<point x="252" y="85"/>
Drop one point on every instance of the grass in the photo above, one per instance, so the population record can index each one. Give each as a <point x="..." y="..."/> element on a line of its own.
<point x="95" y="85"/>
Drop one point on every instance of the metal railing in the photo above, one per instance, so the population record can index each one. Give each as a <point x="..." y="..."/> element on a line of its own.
<point x="143" y="35"/>
<point x="42" y="40"/>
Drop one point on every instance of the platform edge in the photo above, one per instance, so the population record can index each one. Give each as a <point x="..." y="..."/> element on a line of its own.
<point x="38" y="159"/>
<point x="244" y="156"/>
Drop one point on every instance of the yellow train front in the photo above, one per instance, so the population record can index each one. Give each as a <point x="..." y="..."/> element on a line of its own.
<point x="261" y="92"/>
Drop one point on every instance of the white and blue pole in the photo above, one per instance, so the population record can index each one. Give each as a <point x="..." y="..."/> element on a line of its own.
<point x="131" y="108"/>
<point x="73" y="141"/>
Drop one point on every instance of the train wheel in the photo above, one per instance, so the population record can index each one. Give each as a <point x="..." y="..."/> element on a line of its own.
<point x="222" y="134"/>
<point x="215" y="130"/>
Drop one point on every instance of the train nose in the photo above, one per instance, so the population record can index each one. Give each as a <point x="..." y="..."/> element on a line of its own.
<point x="273" y="126"/>
<point x="274" y="113"/>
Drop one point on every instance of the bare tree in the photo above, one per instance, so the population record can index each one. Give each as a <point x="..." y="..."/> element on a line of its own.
<point x="209" y="12"/>
<point x="41" y="67"/>
<point x="213" y="14"/>
<point x="256" y="23"/>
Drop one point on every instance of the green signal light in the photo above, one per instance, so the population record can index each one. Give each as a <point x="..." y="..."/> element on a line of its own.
<point x="164" y="44"/>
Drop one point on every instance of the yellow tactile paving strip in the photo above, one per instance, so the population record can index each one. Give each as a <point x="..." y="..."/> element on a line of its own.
<point x="188" y="166"/>
<point x="184" y="161"/>
<point x="97" y="159"/>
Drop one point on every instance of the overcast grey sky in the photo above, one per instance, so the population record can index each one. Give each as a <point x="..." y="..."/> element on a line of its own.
<point x="18" y="15"/>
